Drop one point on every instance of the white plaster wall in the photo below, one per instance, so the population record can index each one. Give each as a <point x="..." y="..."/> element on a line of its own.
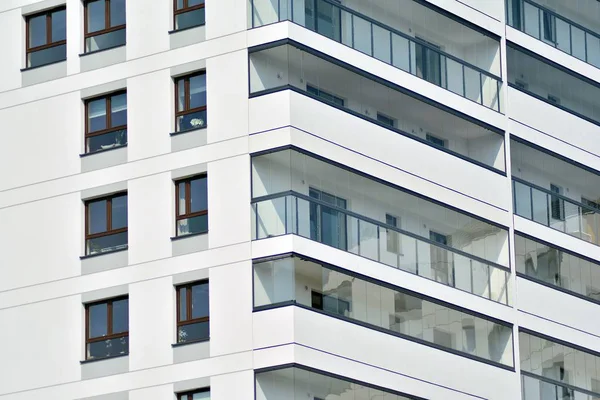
<point x="231" y="14"/>
<point x="13" y="54"/>
<point x="147" y="28"/>
<point x="239" y="385"/>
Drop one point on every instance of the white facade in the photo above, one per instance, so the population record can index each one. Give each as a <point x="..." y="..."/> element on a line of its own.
<point x="257" y="106"/>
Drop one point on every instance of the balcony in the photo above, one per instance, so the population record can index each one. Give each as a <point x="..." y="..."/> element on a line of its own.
<point x="557" y="28"/>
<point x="376" y="305"/>
<point x="296" y="194"/>
<point x="556" y="370"/>
<point x="455" y="56"/>
<point x="553" y="192"/>
<point x="296" y="67"/>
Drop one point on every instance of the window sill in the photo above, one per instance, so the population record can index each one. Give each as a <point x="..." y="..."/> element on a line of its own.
<point x="187" y="131"/>
<point x="175" y="238"/>
<point x="174" y="345"/>
<point x="103" y="253"/>
<point x="101" y="50"/>
<point x="103" y="151"/>
<point x="42" y="66"/>
<point x="93" y="360"/>
<point x="185" y="29"/>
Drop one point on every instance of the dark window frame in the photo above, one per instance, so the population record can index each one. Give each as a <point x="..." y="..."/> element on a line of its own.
<point x="49" y="43"/>
<point x="109" y="129"/>
<point x="185" y="9"/>
<point x="188" y="308"/>
<point x="109" y="322"/>
<point x="190" y="395"/>
<point x="186" y="93"/>
<point x="109" y="231"/>
<point x="188" y="202"/>
<point x="107" y="27"/>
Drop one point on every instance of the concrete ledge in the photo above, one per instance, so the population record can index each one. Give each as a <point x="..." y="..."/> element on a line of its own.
<point x="189" y="244"/>
<point x="103" y="159"/>
<point x="185" y="37"/>
<point x="43" y="73"/>
<point x="191" y="351"/>
<point x="103" y="58"/>
<point x="191" y="384"/>
<point x="106" y="293"/>
<point x="104" y="262"/>
<point x="188" y="139"/>
<point x="110" y="396"/>
<point x="104" y="367"/>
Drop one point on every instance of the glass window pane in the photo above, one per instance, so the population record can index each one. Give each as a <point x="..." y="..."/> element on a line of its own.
<point x="108" y="348"/>
<point x="117" y="12"/>
<point x="200" y="300"/>
<point x="179" y="4"/>
<point x="105" y="41"/>
<point x="182" y="304"/>
<point x="47" y="56"/>
<point x="198" y="91"/>
<point x="181" y="95"/>
<point x="97" y="217"/>
<point x="190" y="19"/>
<point x="95" y="16"/>
<point x="118" y="110"/>
<point x="192" y="3"/>
<point x="196" y="120"/>
<point x="98" y="319"/>
<point x="198" y="195"/>
<point x="97" y="115"/>
<point x="107" y="141"/>
<point x="119" y="212"/>
<point x="181" y="197"/>
<point x="120" y="316"/>
<point x="37" y="31"/>
<point x="201" y="396"/>
<point x="197" y="224"/>
<point x="192" y="332"/>
<point x="59" y="25"/>
<point x="102" y="244"/>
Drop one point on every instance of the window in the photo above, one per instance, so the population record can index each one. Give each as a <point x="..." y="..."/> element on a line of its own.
<point x="188" y="13"/>
<point x="192" y="312"/>
<point x="106" y="224"/>
<point x="521" y="84"/>
<point x="106" y="122"/>
<point x="107" y="328"/>
<point x="329" y="303"/>
<point x="440" y="265"/>
<point x="190" y="102"/>
<point x="324" y="95"/>
<point x="384" y="119"/>
<point x="554" y="99"/>
<point x="327" y="224"/>
<point x="104" y="22"/>
<point x="195" y="395"/>
<point x="557" y="205"/>
<point x="435" y="140"/>
<point x="191" y="206"/>
<point x="47" y="37"/>
<point x="549" y="27"/>
<point x="428" y="62"/>
<point x="392" y="237"/>
<point x="594" y="206"/>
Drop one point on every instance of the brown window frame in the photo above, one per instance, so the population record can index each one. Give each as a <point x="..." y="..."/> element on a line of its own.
<point x="110" y="29"/>
<point x="188" y="307"/>
<point x="109" y="231"/>
<point x="107" y="98"/>
<point x="109" y="317"/>
<point x="188" y="202"/>
<point x="190" y="395"/>
<point x="186" y="93"/>
<point x="184" y="10"/>
<point x="49" y="43"/>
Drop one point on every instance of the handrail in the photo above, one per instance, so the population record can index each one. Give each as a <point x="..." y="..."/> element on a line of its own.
<point x="557" y="195"/>
<point x="379" y="223"/>
<point x="568" y="21"/>
<point x="410" y="38"/>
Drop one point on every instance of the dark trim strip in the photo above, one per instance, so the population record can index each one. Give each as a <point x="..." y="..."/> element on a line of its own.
<point x="559" y="341"/>
<point x="405" y="337"/>
<point x="378" y="223"/>
<point x="103" y="150"/>
<point x="331" y="375"/>
<point x="103" y="253"/>
<point x="380" y="80"/>
<point x="555" y="246"/>
<point x="376" y="179"/>
<point x="82" y="362"/>
<point x="374" y="121"/>
<point x="204" y="340"/>
<point x="382" y="284"/>
<point x="560" y="384"/>
<point x="187" y="131"/>
<point x="41" y="66"/>
<point x="188" y="235"/>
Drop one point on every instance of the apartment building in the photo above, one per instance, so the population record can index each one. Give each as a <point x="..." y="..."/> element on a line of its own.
<point x="299" y="199"/>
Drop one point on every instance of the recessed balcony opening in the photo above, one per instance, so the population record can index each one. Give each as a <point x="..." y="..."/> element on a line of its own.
<point x="553" y="84"/>
<point x="443" y="50"/>
<point x="294" y="193"/>
<point x="570" y="26"/>
<point x="368" y="97"/>
<point x="556" y="193"/>
<point x="393" y="310"/>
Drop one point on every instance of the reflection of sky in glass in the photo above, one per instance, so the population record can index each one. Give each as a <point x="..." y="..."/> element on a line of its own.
<point x="198" y="189"/>
<point x="119" y="212"/>
<point x="97" y="217"/>
<point x="202" y="395"/>
<point x="96" y="115"/>
<point x="95" y="13"/>
<point x="182" y="304"/>
<point x="37" y="31"/>
<point x="59" y="25"/>
<point x="118" y="105"/>
<point x="120" y="316"/>
<point x="117" y="12"/>
<point x="200" y="300"/>
<point x="97" y="320"/>
<point x="198" y="91"/>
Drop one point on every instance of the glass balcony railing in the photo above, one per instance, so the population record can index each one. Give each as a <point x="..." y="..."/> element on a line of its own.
<point x="294" y="213"/>
<point x="413" y="55"/>
<point x="556" y="211"/>
<point x="555" y="30"/>
<point x="535" y="388"/>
